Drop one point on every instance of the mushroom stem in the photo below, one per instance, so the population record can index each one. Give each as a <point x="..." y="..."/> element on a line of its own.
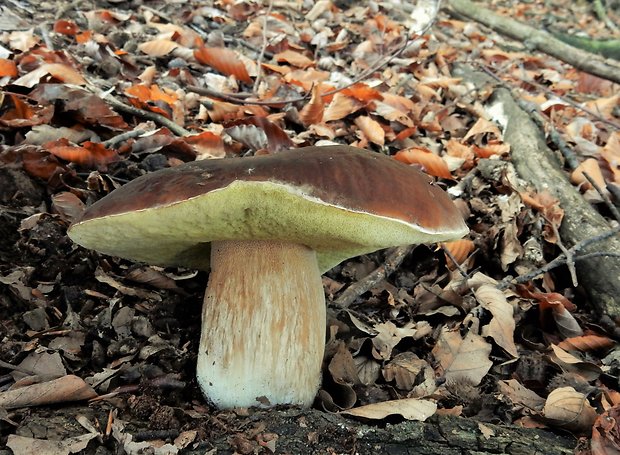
<point x="263" y="325"/>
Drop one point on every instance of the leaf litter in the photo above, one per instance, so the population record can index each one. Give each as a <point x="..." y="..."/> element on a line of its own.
<point x="425" y="338"/>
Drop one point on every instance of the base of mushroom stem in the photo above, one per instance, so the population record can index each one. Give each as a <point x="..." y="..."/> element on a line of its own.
<point x="263" y="325"/>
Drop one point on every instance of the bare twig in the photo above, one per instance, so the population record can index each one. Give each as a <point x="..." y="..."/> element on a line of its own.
<point x="273" y="102"/>
<point x="123" y="137"/>
<point x="261" y="54"/>
<point x="550" y="92"/>
<point x="604" y="196"/>
<point x="561" y="259"/>
<point x="568" y="254"/>
<point x="157" y="118"/>
<point x="391" y="263"/>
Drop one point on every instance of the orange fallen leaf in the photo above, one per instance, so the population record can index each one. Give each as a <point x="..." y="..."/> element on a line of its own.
<point x="341" y="106"/>
<point x="294" y="58"/>
<point x="223" y="60"/>
<point x="65" y="27"/>
<point x="371" y="129"/>
<point x="586" y="343"/>
<point x="207" y="144"/>
<point x="89" y="154"/>
<point x="8" y="68"/>
<point x="459" y="250"/>
<point x="58" y="71"/>
<point x="432" y="164"/>
<point x="362" y="92"/>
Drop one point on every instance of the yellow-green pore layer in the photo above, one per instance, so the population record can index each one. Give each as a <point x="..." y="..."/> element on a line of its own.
<point x="338" y="200"/>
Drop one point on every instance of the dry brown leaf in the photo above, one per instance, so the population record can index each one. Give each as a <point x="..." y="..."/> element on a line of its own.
<point x="411" y="373"/>
<point x="483" y="126"/>
<point x="362" y="92"/>
<point x="257" y="132"/>
<point x="391" y="113"/>
<point x="571" y="364"/>
<point x="567" y="408"/>
<point x="312" y="112"/>
<point x="604" y="106"/>
<point x="550" y="208"/>
<point x="8" y="68"/>
<point x="65" y="27"/>
<point x="341" y="106"/>
<point x="432" y="164"/>
<point x="521" y="395"/>
<point x="294" y="58"/>
<point x="502" y="325"/>
<point x="158" y="47"/>
<point x="342" y="367"/>
<point x="510" y="248"/>
<point x="466" y="358"/>
<point x="592" y="168"/>
<point x="368" y="370"/>
<point x="21" y="445"/>
<point x="490" y="150"/>
<point x="586" y="343"/>
<point x="371" y="129"/>
<point x="459" y="250"/>
<point x="388" y="336"/>
<point x="68" y="206"/>
<point x="58" y="71"/>
<point x="606" y="433"/>
<point x="206" y="145"/>
<point x="611" y="155"/>
<point x="61" y="390"/>
<point x="224" y="60"/>
<point x="409" y="408"/>
<point x="88" y="154"/>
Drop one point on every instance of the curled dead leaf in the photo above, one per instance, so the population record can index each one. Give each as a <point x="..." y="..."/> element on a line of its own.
<point x="312" y="112"/>
<point x="567" y="408"/>
<point x="371" y="129"/>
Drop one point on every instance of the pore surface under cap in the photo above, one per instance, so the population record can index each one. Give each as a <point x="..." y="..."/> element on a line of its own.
<point x="339" y="200"/>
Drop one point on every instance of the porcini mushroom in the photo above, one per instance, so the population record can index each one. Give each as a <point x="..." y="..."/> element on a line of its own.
<point x="268" y="227"/>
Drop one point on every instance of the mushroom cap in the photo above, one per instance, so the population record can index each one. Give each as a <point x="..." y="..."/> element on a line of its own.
<point x="338" y="200"/>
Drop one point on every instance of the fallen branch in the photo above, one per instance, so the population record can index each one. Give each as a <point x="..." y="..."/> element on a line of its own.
<point x="536" y="39"/>
<point x="583" y="225"/>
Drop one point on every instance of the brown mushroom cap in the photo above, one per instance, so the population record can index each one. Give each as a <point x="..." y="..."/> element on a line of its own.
<point x="338" y="200"/>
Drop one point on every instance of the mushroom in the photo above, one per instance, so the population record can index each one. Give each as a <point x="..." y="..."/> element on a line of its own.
<point x="268" y="227"/>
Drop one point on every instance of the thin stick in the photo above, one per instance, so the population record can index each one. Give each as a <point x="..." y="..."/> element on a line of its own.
<point x="261" y="54"/>
<point x="604" y="196"/>
<point x="123" y="137"/>
<point x="560" y="260"/>
<point x="274" y="102"/>
<point x="157" y="118"/>
<point x="391" y="263"/>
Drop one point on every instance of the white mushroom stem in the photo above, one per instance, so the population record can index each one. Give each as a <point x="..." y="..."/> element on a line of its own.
<point x="263" y="325"/>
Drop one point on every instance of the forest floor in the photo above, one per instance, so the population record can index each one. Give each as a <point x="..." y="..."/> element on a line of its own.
<point x="102" y="351"/>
